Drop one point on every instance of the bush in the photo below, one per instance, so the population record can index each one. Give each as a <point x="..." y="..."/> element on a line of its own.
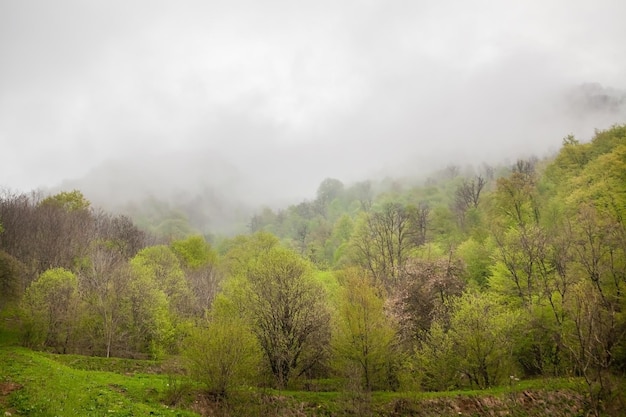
<point x="222" y="356"/>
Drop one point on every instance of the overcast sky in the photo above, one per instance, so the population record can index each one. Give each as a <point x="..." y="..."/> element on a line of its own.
<point x="286" y="93"/>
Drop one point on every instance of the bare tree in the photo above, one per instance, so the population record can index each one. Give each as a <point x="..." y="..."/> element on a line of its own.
<point x="383" y="242"/>
<point x="467" y="196"/>
<point x="596" y="332"/>
<point x="421" y="220"/>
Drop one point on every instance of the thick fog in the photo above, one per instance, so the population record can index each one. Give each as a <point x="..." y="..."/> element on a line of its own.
<point x="255" y="101"/>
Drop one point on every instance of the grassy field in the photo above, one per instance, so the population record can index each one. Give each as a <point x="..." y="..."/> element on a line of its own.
<point x="44" y="384"/>
<point x="37" y="384"/>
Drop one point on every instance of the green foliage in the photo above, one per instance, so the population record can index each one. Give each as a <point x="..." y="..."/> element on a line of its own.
<point x="594" y="334"/>
<point x="68" y="201"/>
<point x="11" y="279"/>
<point x="194" y="252"/>
<point x="437" y="361"/>
<point x="287" y="310"/>
<point x="606" y="140"/>
<point x="444" y="227"/>
<point x="224" y="355"/>
<point x="483" y="333"/>
<point x="160" y="266"/>
<point x="329" y="282"/>
<point x="336" y="246"/>
<point x="240" y="251"/>
<point x="152" y="325"/>
<point x="160" y="300"/>
<point x="107" y="315"/>
<point x="522" y="256"/>
<point x="364" y="335"/>
<point x="570" y="160"/>
<point x="603" y="182"/>
<point x="538" y="346"/>
<point x="49" y="310"/>
<point x="515" y="198"/>
<point x="476" y="256"/>
<point x="201" y="270"/>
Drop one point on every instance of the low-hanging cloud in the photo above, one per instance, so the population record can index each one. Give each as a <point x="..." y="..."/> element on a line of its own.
<point x="265" y="99"/>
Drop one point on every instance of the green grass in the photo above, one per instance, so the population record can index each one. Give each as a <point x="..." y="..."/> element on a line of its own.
<point x="49" y="387"/>
<point x="117" y="365"/>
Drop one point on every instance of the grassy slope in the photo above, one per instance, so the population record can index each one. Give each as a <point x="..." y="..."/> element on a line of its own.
<point x="49" y="387"/>
<point x="41" y="384"/>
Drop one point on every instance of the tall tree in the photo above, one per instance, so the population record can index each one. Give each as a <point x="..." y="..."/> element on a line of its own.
<point x="467" y="196"/>
<point x="596" y="330"/>
<point x="425" y="294"/>
<point x="105" y="281"/>
<point x="364" y="335"/>
<point x="151" y="320"/>
<point x="483" y="335"/>
<point x="382" y="241"/>
<point x="12" y="280"/>
<point x="328" y="190"/>
<point x="200" y="266"/>
<point x="241" y="251"/>
<point x="288" y="312"/>
<point x="162" y="265"/>
<point x="49" y="310"/>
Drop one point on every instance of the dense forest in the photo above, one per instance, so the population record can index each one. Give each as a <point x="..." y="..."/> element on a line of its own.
<point x="472" y="278"/>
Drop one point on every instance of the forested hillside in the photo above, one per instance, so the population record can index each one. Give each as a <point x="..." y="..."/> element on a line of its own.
<point x="471" y="279"/>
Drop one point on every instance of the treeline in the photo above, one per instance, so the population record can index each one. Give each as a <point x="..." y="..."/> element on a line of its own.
<point x="470" y="279"/>
<point x="92" y="283"/>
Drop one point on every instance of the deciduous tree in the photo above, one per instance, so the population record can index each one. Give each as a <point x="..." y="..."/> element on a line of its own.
<point x="200" y="265"/>
<point x="12" y="279"/>
<point x="49" y="310"/>
<point x="382" y="241"/>
<point x="288" y="312"/>
<point x="483" y="333"/>
<point x="364" y="335"/>
<point x="163" y="267"/>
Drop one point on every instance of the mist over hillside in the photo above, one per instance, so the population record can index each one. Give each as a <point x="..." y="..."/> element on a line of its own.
<point x="219" y="189"/>
<point x="245" y="104"/>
